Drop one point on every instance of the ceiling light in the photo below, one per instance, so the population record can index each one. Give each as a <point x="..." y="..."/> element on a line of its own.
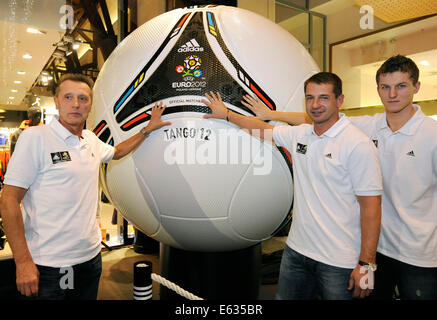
<point x="76" y="46"/>
<point x="17" y="81"/>
<point x="21" y="72"/>
<point x="27" y="56"/>
<point x="2" y="111"/>
<point x="424" y="63"/>
<point x="46" y="77"/>
<point x="13" y="90"/>
<point x="35" y="31"/>
<point x="12" y="98"/>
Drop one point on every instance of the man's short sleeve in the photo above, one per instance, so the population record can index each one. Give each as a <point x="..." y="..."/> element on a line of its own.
<point x="282" y="136"/>
<point x="24" y="165"/>
<point x="364" y="123"/>
<point x="364" y="169"/>
<point x="106" y="151"/>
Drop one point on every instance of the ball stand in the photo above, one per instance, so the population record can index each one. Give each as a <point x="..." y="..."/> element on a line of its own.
<point x="233" y="275"/>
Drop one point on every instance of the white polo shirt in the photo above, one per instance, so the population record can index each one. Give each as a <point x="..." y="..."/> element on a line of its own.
<point x="408" y="160"/>
<point x="329" y="172"/>
<point x="61" y="175"/>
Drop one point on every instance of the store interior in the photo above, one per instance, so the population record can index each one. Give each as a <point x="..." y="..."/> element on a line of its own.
<point x="41" y="40"/>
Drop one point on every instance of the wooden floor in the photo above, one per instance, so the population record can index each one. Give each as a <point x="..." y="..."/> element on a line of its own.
<point x="117" y="275"/>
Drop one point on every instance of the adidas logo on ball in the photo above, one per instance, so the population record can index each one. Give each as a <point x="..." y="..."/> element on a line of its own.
<point x="191" y="46"/>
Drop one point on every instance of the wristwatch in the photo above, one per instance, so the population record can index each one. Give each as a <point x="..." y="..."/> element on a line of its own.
<point x="368" y="265"/>
<point x="143" y="131"/>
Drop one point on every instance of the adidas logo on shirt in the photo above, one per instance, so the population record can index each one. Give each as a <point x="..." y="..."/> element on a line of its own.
<point x="411" y="153"/>
<point x="191" y="46"/>
<point x="328" y="156"/>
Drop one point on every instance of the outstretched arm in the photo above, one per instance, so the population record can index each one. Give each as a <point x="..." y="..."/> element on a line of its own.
<point x="219" y="111"/>
<point x="264" y="113"/>
<point x="133" y="142"/>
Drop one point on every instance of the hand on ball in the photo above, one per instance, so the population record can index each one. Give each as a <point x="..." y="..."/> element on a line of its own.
<point x="215" y="103"/>
<point x="155" y="120"/>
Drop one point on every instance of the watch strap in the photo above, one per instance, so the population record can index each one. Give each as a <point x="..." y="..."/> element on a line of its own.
<point x="143" y="131"/>
<point x="368" y="265"/>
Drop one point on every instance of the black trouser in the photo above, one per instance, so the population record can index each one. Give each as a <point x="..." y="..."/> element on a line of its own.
<point x="414" y="283"/>
<point x="79" y="282"/>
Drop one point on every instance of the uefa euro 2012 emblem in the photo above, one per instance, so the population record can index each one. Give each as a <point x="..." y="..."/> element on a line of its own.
<point x="191" y="67"/>
<point x="192" y="62"/>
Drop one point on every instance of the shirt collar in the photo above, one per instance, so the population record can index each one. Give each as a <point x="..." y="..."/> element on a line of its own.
<point x="410" y="127"/>
<point x="382" y="123"/>
<point x="59" y="129"/>
<point x="341" y="123"/>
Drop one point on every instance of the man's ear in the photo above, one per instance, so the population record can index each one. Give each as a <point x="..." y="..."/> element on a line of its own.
<point x="340" y="100"/>
<point x="417" y="87"/>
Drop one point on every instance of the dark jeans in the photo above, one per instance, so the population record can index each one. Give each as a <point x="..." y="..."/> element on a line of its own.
<point x="302" y="278"/>
<point x="79" y="282"/>
<point x="414" y="283"/>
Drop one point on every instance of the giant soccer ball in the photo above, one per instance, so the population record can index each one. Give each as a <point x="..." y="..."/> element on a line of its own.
<point x="200" y="185"/>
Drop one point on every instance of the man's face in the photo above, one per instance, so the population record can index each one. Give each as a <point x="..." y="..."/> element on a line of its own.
<point x="321" y="104"/>
<point x="73" y="102"/>
<point x="396" y="91"/>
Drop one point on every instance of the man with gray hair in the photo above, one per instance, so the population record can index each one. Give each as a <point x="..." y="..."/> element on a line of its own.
<point x="54" y="172"/>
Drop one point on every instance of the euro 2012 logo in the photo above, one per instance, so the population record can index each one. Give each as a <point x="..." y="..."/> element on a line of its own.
<point x="191" y="67"/>
<point x="192" y="62"/>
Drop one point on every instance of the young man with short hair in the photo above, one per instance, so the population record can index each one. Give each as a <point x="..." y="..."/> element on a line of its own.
<point x="407" y="144"/>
